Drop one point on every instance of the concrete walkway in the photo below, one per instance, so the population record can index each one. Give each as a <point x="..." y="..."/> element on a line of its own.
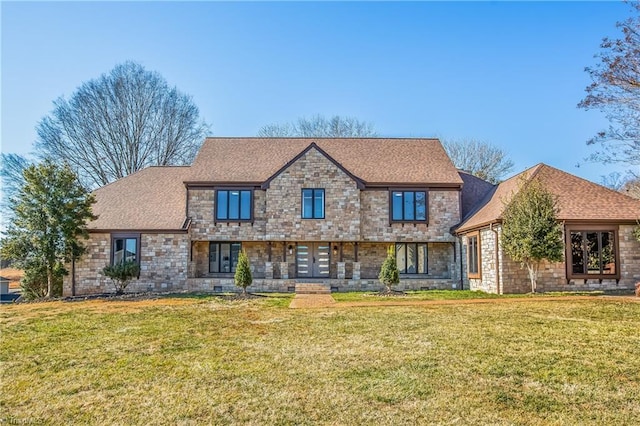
<point x="310" y="301"/>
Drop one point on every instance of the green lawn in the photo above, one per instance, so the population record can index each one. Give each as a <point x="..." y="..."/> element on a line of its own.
<point x="446" y="295"/>
<point x="195" y="360"/>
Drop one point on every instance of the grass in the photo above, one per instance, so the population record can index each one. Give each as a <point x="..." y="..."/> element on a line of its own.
<point x="445" y="295"/>
<point x="211" y="360"/>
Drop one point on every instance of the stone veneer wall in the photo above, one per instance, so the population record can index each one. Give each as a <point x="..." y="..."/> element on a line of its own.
<point x="439" y="260"/>
<point x="552" y="276"/>
<point x="163" y="265"/>
<point x="444" y="212"/>
<point x="284" y="199"/>
<point x="201" y="211"/>
<point x="487" y="281"/>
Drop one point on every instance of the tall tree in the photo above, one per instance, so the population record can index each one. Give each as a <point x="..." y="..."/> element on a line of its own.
<point x="51" y="209"/>
<point x="615" y="90"/>
<point x="12" y="167"/>
<point x="628" y="184"/>
<point x="531" y="233"/>
<point x="319" y="126"/>
<point x="120" y="123"/>
<point x="479" y="158"/>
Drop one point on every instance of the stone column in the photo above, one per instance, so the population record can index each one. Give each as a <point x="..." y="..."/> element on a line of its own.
<point x="356" y="271"/>
<point x="284" y="270"/>
<point x="268" y="270"/>
<point x="341" y="270"/>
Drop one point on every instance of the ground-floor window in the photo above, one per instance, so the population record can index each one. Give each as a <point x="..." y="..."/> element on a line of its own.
<point x="223" y="257"/>
<point x="592" y="253"/>
<point x="411" y="258"/>
<point x="125" y="248"/>
<point x="473" y="255"/>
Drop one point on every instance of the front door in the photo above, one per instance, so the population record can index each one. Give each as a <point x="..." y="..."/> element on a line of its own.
<point x="313" y="260"/>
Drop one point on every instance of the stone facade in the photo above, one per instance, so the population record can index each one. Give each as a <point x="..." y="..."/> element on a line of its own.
<point x="164" y="265"/>
<point x="513" y="278"/>
<point x="284" y="199"/>
<point x="444" y="213"/>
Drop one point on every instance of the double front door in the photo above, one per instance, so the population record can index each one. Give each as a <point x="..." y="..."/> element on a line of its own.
<point x="312" y="260"/>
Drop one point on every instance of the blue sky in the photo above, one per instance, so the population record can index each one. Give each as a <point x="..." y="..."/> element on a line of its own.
<point x="510" y="73"/>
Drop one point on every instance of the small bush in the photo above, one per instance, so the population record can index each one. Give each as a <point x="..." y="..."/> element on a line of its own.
<point x="243" y="276"/>
<point x="121" y="274"/>
<point x="389" y="275"/>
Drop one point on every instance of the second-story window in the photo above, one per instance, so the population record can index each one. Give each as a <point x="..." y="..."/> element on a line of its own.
<point x="409" y="206"/>
<point x="313" y="203"/>
<point x="233" y="205"/>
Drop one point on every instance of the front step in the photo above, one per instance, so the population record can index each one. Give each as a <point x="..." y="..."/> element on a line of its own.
<point x="312" y="288"/>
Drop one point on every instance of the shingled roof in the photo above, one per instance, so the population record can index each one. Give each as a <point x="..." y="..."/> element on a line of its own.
<point x="151" y="199"/>
<point x="374" y="161"/>
<point x="578" y="199"/>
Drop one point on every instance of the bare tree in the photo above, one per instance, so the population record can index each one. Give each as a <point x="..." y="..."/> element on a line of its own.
<point x="320" y="127"/>
<point x="479" y="158"/>
<point x="615" y="90"/>
<point x="11" y="168"/>
<point x="120" y="123"/>
<point x="628" y="183"/>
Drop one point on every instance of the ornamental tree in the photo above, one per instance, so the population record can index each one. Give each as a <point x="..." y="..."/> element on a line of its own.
<point x="243" y="276"/>
<point x="531" y="233"/>
<point x="51" y="212"/>
<point x="389" y="275"/>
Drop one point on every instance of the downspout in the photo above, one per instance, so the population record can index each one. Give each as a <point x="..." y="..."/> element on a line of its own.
<point x="73" y="276"/>
<point x="498" y="290"/>
<point x="461" y="263"/>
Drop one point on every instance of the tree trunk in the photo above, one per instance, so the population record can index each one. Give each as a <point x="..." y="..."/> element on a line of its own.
<point x="49" y="283"/>
<point x="533" y="275"/>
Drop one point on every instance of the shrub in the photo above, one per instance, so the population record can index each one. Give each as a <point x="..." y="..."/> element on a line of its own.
<point x="389" y="274"/>
<point x="243" y="276"/>
<point x="121" y="274"/>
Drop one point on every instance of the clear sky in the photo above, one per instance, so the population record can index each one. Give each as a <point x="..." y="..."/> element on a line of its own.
<point x="510" y="73"/>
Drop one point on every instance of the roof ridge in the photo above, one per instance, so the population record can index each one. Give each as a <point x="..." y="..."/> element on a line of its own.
<point x="321" y="137"/>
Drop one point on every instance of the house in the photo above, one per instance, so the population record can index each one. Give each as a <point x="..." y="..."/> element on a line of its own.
<point x="601" y="252"/>
<point x="325" y="210"/>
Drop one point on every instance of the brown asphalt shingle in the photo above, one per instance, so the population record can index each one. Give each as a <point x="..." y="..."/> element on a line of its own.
<point x="578" y="199"/>
<point x="373" y="160"/>
<point x="151" y="199"/>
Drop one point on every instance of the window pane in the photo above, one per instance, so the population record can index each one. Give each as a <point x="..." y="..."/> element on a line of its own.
<point x="319" y="204"/>
<point x="234" y="204"/>
<point x="245" y="205"/>
<point x="131" y="250"/>
<point x="118" y="253"/>
<point x="422" y="259"/>
<point x="396" y="206"/>
<point x="593" y="254"/>
<point x="401" y="258"/>
<point x="307" y="203"/>
<point x="235" y="252"/>
<point x="225" y="257"/>
<point x="473" y="255"/>
<point x="421" y="206"/>
<point x="577" y="253"/>
<point x="409" y="206"/>
<point x="222" y="204"/>
<point x="608" y="253"/>
<point x="412" y="259"/>
<point x="214" y="266"/>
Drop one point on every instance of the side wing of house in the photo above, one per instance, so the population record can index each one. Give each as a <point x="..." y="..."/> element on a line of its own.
<point x="601" y="252"/>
